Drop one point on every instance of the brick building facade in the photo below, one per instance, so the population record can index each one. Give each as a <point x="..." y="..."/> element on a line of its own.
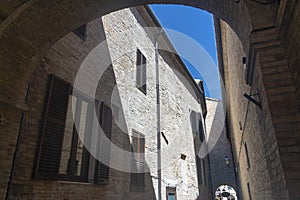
<point x="57" y="159"/>
<point x="267" y="34"/>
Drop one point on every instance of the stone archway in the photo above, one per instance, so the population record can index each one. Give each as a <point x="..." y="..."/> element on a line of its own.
<point x="225" y="192"/>
<point x="29" y="29"/>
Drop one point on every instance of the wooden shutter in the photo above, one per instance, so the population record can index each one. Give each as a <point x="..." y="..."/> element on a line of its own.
<point x="54" y="125"/>
<point x="102" y="170"/>
<point x="137" y="180"/>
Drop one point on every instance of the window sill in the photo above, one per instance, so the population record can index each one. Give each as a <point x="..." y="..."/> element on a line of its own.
<point x="75" y="183"/>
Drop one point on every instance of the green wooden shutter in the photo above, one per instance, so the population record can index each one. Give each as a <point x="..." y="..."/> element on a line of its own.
<point x="102" y="170"/>
<point x="54" y="125"/>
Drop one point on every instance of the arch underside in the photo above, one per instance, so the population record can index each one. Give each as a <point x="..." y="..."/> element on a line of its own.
<point x="29" y="29"/>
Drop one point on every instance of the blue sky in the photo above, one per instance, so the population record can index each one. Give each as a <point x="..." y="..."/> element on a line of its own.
<point x="197" y="24"/>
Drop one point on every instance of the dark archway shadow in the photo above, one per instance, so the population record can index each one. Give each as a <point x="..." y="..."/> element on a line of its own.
<point x="35" y="26"/>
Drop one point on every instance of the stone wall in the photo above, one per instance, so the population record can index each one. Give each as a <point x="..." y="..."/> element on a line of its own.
<point x="132" y="109"/>
<point x="251" y="126"/>
<point x="221" y="174"/>
<point x="140" y="110"/>
<point x="63" y="60"/>
<point x="30" y="28"/>
<point x="271" y="72"/>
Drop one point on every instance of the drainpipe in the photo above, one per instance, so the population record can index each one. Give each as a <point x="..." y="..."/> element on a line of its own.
<point x="158" y="116"/>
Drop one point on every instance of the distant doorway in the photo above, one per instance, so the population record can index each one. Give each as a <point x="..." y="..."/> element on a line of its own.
<point x="225" y="192"/>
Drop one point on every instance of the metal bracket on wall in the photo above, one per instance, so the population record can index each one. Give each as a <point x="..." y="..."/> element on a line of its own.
<point x="250" y="98"/>
<point x="165" y="138"/>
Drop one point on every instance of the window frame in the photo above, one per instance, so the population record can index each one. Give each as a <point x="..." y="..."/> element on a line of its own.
<point x="86" y="157"/>
<point x="140" y="149"/>
<point x="141" y="71"/>
<point x="171" y="190"/>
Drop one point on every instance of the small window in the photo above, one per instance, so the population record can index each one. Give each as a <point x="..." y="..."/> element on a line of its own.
<point x="201" y="131"/>
<point x="141" y="73"/>
<point x="137" y="178"/>
<point x="171" y="193"/>
<point x="81" y="32"/>
<point x="247" y="156"/>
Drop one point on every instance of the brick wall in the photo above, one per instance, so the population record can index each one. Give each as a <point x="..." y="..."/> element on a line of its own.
<point x="257" y="128"/>
<point x="271" y="134"/>
<point x="138" y="111"/>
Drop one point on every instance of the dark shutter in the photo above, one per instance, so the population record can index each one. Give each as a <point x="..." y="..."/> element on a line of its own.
<point x="102" y="170"/>
<point x="141" y="73"/>
<point x="54" y="125"/>
<point x="201" y="130"/>
<point x="138" y="69"/>
<point x="144" y="74"/>
<point x="141" y="162"/>
<point x="137" y="180"/>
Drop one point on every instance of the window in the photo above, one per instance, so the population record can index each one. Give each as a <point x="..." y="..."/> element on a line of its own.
<point x="61" y="154"/>
<point x="197" y="125"/>
<point x="137" y="178"/>
<point x="171" y="193"/>
<point x="201" y="130"/>
<point x="101" y="175"/>
<point x="81" y="32"/>
<point x="247" y="156"/>
<point x="141" y="66"/>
